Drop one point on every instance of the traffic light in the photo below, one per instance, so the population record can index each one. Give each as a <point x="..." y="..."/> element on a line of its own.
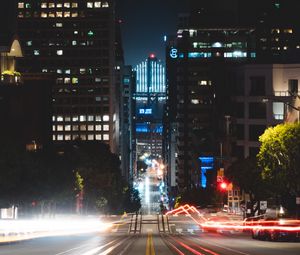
<point x="223" y="186"/>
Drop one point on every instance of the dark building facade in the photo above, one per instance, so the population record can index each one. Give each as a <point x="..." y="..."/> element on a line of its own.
<point x="75" y="42"/>
<point x="25" y="102"/>
<point x="213" y="40"/>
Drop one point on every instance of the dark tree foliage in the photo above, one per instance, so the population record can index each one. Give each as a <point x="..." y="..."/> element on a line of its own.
<point x="246" y="174"/>
<point x="46" y="181"/>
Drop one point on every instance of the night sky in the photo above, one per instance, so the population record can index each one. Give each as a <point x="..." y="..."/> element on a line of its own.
<point x="144" y="25"/>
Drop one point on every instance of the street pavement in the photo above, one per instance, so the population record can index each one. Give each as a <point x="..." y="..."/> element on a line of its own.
<point x="149" y="233"/>
<point x="185" y="238"/>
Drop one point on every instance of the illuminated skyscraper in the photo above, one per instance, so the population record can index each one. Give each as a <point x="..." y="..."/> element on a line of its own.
<point x="149" y="99"/>
<point x="75" y="41"/>
<point x="150" y="76"/>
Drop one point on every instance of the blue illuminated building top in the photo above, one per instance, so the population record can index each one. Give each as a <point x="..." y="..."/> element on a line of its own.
<point x="150" y="76"/>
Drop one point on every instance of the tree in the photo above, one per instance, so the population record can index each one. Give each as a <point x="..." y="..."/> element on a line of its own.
<point x="246" y="174"/>
<point x="279" y="159"/>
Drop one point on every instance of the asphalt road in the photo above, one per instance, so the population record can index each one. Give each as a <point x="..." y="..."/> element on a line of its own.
<point x="185" y="239"/>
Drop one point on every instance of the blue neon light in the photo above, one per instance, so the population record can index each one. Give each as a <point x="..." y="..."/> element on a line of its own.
<point x="207" y="164"/>
<point x="142" y="128"/>
<point x="173" y="53"/>
<point x="199" y="54"/>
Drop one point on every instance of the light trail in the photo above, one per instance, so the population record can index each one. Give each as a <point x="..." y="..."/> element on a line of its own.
<point x="236" y="225"/>
<point x="12" y="230"/>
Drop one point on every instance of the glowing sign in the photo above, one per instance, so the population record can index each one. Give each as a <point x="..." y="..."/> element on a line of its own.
<point x="173" y="53"/>
<point x="145" y="111"/>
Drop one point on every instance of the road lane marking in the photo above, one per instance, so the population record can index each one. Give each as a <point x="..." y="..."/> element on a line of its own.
<point x="91" y="252"/>
<point x="110" y="249"/>
<point x="149" y="245"/>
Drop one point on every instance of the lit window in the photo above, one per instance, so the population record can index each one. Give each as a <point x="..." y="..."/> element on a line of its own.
<point x="105" y="127"/>
<point x="97" y="79"/>
<point x="75" y="128"/>
<point x="51" y="5"/>
<point x="68" y="71"/>
<point x="82" y="118"/>
<point x="97" y="99"/>
<point x="29" y="43"/>
<point x="28" y="5"/>
<point x="90" y="118"/>
<point x="53" y="128"/>
<point x="53" y="118"/>
<point x="90" y="128"/>
<point x="59" y="15"/>
<point x="105" y="4"/>
<point x="60" y="118"/>
<point x="105" y="137"/>
<point x="67" y="137"/>
<point x="20" y="15"/>
<point x="36" y="52"/>
<point x="74" y="14"/>
<point x="75" y="137"/>
<point x="82" y="70"/>
<point x="43" y="5"/>
<point x="67" y="80"/>
<point x="98" y="118"/>
<point x="60" y="128"/>
<point x="59" y="25"/>
<point x="59" y="71"/>
<point x="89" y="4"/>
<point x="98" y="137"/>
<point x="58" y="5"/>
<point x="195" y="101"/>
<point x="44" y="15"/>
<point x="285" y="47"/>
<point x="75" y="32"/>
<point x="74" y="5"/>
<point x="82" y="127"/>
<point x="202" y="82"/>
<point x="106" y="118"/>
<point x="98" y="127"/>
<point x="74" y="80"/>
<point x="21" y="5"/>
<point x="74" y="43"/>
<point x="67" y="118"/>
<point x="60" y="137"/>
<point x="53" y="137"/>
<point x="97" y="4"/>
<point x="51" y="14"/>
<point x="67" y="5"/>
<point x="68" y="128"/>
<point x="75" y="118"/>
<point x="288" y="31"/>
<point x="83" y="137"/>
<point x="67" y="14"/>
<point x="59" y="52"/>
<point x="90" y="137"/>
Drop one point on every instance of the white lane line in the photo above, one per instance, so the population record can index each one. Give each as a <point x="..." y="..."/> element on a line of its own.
<point x="73" y="249"/>
<point x="110" y="249"/>
<point x="79" y="247"/>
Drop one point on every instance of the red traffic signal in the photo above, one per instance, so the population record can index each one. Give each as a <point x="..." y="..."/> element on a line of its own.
<point x="223" y="186"/>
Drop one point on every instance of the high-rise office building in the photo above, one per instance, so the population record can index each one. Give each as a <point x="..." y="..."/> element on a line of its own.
<point x="149" y="98"/>
<point x="212" y="41"/>
<point x="74" y="41"/>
